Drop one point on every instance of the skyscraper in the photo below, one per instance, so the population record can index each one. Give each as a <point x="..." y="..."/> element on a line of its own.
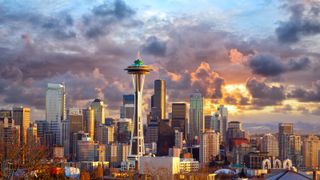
<point x="209" y="146"/>
<point x="56" y="109"/>
<point x="55" y="102"/>
<point x="127" y="108"/>
<point x="234" y="131"/>
<point x="21" y="116"/>
<point x="32" y="136"/>
<point x="196" y="123"/>
<point x="285" y="130"/>
<point x="179" y="117"/>
<point x="269" y="144"/>
<point x="98" y="107"/>
<point x="310" y="151"/>
<point x="138" y="70"/>
<point x="158" y="100"/>
<point x="88" y="121"/>
<point x="223" y="122"/>
<point x="294" y="151"/>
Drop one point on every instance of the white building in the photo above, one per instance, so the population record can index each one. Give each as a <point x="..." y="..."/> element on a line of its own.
<point x="209" y="145"/>
<point x="189" y="165"/>
<point x="56" y="108"/>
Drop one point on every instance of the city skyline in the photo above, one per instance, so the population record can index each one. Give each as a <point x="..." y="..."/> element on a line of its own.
<point x="262" y="72"/>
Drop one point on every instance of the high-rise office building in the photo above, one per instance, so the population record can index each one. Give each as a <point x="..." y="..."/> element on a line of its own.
<point x="285" y="130"/>
<point x="124" y="129"/>
<point x="209" y="146"/>
<point x="158" y="100"/>
<point x="9" y="136"/>
<point x="21" y="116"/>
<point x="32" y="135"/>
<point x="137" y="70"/>
<point x="179" y="117"/>
<point x="178" y="139"/>
<point x="42" y="128"/>
<point x="99" y="115"/>
<point x="75" y="123"/>
<point x="106" y="134"/>
<point x="88" y="121"/>
<point x="86" y="149"/>
<point x="294" y="151"/>
<point x="269" y="143"/>
<point x="196" y="123"/>
<point x="56" y="109"/>
<point x="127" y="108"/>
<point x="152" y="132"/>
<point x="234" y="131"/>
<point x="310" y="151"/>
<point x="55" y="102"/>
<point x="223" y="122"/>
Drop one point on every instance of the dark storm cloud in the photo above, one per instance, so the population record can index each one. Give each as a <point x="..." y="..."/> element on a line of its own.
<point x="104" y="17"/>
<point x="268" y="65"/>
<point x="304" y="21"/>
<point x="307" y="95"/>
<point x="263" y="94"/>
<point x="155" y="46"/>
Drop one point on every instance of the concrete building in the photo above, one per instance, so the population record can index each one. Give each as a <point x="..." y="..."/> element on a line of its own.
<point x="196" y="123"/>
<point x="21" y="116"/>
<point x="158" y="100"/>
<point x="285" y="130"/>
<point x="56" y="109"/>
<point x="189" y="165"/>
<point x="310" y="152"/>
<point x="209" y="146"/>
<point x="179" y="117"/>
<point x="269" y="144"/>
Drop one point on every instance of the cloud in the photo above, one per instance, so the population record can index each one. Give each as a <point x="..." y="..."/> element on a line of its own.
<point x="287" y="108"/>
<point x="207" y="81"/>
<point x="264" y="94"/>
<point x="154" y="46"/>
<point x="106" y="17"/>
<point x="236" y="57"/>
<point x="307" y="95"/>
<point x="268" y="65"/>
<point x="304" y="21"/>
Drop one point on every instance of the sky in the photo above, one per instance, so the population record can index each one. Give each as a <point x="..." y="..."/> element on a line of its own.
<point x="259" y="58"/>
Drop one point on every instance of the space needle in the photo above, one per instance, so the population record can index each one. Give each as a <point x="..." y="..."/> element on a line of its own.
<point x="138" y="70"/>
